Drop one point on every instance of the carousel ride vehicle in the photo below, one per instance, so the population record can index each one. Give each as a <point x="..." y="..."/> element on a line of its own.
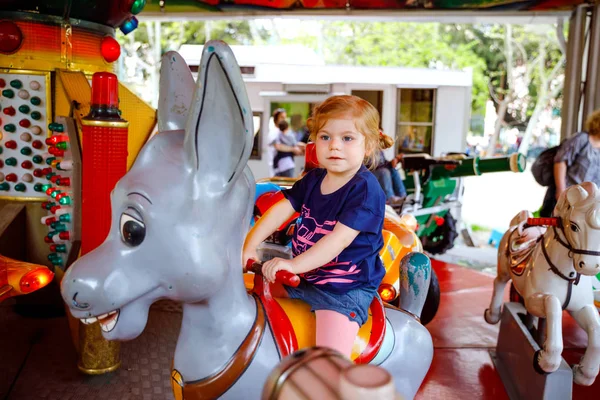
<point x="552" y="270"/>
<point x="185" y="244"/>
<point x="435" y="185"/>
<point x="399" y="235"/>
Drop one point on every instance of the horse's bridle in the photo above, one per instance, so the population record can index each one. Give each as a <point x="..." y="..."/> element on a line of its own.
<point x="557" y="272"/>
<point x="565" y="243"/>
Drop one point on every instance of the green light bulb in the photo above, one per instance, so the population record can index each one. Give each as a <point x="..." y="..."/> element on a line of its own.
<point x="137" y="6"/>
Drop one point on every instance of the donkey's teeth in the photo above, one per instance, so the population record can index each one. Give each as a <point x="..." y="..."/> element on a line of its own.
<point x="108" y="321"/>
<point x="102" y="316"/>
<point x="88" y="321"/>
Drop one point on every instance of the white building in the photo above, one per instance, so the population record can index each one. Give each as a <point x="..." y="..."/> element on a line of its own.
<point x="425" y="110"/>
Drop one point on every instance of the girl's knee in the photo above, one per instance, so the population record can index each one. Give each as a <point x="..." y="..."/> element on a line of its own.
<point x="336" y="331"/>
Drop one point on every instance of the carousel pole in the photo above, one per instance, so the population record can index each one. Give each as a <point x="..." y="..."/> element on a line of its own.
<point x="591" y="99"/>
<point x="572" y="87"/>
<point x="105" y="145"/>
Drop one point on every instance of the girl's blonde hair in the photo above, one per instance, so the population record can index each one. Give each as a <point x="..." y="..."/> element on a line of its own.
<point x="592" y="125"/>
<point x="366" y="119"/>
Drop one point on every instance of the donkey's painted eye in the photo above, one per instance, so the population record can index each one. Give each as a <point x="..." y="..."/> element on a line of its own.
<point x="133" y="231"/>
<point x="574" y="227"/>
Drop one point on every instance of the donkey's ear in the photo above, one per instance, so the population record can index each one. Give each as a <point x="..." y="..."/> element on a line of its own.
<point x="219" y="133"/>
<point x="175" y="94"/>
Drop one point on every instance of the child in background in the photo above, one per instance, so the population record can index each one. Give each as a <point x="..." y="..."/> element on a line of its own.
<point x="338" y="235"/>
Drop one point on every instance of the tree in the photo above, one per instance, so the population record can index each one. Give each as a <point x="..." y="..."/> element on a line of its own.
<point x="400" y="44"/>
<point x="144" y="53"/>
<point x="526" y="64"/>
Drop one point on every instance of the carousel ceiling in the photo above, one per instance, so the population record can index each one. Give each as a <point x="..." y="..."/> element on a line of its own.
<point x="324" y="5"/>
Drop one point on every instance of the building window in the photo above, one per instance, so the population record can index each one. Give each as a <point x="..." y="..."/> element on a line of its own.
<point x="415" y="116"/>
<point x="257" y="121"/>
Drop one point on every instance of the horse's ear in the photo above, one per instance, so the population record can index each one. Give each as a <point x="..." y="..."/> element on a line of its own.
<point x="575" y="194"/>
<point x="175" y="94"/>
<point x="219" y="133"/>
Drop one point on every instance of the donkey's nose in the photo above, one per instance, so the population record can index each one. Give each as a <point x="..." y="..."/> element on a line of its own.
<point x="77" y="293"/>
<point x="77" y="304"/>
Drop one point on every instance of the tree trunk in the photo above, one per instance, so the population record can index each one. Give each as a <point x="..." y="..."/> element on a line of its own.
<point x="541" y="102"/>
<point x="491" y="150"/>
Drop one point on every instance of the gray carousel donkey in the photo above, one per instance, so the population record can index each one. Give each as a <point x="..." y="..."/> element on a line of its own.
<point x="553" y="271"/>
<point x="179" y="218"/>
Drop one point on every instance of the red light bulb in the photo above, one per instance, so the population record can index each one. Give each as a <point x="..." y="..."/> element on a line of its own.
<point x="11" y="144"/>
<point x="64" y="181"/>
<point x="110" y="49"/>
<point x="57" y="138"/>
<point x="26" y="164"/>
<point x="64" y="235"/>
<point x="10" y="37"/>
<point x="25" y="123"/>
<point x="36" y="144"/>
<point x="9" y="111"/>
<point x="11" y="177"/>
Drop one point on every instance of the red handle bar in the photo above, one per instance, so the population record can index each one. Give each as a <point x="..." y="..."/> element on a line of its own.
<point x="285" y="277"/>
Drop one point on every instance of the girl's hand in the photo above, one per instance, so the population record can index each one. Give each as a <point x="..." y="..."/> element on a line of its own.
<point x="271" y="267"/>
<point x="249" y="254"/>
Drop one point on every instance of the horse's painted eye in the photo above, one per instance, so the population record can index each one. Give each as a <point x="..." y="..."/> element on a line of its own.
<point x="133" y="231"/>
<point x="574" y="227"/>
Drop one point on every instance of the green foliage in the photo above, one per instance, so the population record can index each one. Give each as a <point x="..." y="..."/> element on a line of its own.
<point x="479" y="228"/>
<point x="400" y="44"/>
<point x="480" y="48"/>
<point x="173" y="34"/>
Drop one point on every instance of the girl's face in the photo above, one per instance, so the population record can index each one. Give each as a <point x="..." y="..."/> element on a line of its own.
<point x="340" y="146"/>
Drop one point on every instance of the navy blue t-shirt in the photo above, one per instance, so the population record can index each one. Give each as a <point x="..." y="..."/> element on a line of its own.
<point x="360" y="205"/>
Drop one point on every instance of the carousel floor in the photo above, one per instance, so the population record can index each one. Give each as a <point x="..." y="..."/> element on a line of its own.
<point x="37" y="359"/>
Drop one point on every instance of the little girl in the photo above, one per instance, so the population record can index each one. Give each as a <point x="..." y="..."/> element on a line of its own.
<point x="338" y="235"/>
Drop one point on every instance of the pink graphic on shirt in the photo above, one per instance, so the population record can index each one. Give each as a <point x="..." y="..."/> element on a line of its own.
<point x="308" y="232"/>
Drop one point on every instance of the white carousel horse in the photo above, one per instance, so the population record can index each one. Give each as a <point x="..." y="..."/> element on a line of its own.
<point x="554" y="272"/>
<point x="179" y="218"/>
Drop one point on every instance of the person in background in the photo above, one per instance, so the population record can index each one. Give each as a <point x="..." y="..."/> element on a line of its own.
<point x="278" y="115"/>
<point x="287" y="147"/>
<point x="576" y="161"/>
<point x="299" y="128"/>
<point x="390" y="180"/>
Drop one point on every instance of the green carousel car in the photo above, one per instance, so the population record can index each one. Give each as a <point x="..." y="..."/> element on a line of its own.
<point x="435" y="185"/>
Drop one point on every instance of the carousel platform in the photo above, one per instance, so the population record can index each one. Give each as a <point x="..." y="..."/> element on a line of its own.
<point x="38" y="361"/>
